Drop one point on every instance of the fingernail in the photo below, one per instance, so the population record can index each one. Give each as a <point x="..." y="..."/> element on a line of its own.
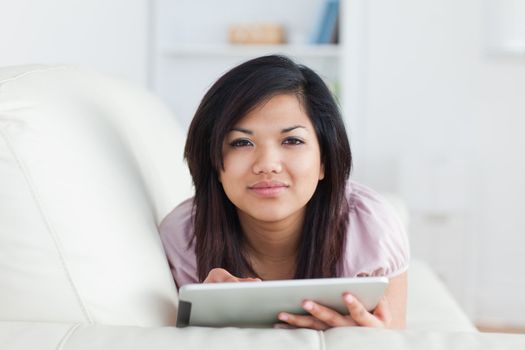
<point x="349" y="299"/>
<point x="308" y="305"/>
<point x="283" y="317"/>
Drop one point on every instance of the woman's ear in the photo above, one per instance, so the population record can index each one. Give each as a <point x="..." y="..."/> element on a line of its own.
<point x="321" y="172"/>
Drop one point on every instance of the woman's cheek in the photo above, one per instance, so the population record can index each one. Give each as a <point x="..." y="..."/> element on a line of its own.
<point x="236" y="166"/>
<point x="306" y="163"/>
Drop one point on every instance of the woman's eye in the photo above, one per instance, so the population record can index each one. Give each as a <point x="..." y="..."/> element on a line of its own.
<point x="240" y="143"/>
<point x="293" y="141"/>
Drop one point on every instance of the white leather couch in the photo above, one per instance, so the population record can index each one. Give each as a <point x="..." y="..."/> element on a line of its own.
<point x="89" y="165"/>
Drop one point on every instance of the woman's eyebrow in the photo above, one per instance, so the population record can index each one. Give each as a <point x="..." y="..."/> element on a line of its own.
<point x="285" y="130"/>
<point x="292" y="128"/>
<point x="246" y="131"/>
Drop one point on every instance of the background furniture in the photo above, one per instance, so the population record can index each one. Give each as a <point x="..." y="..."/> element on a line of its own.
<point x="89" y="165"/>
<point x="190" y="47"/>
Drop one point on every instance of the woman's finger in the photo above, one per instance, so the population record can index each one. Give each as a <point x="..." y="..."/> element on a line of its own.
<point x="359" y="314"/>
<point x="327" y="315"/>
<point x="382" y="311"/>
<point x="249" y="279"/>
<point x="221" y="275"/>
<point x="302" y="321"/>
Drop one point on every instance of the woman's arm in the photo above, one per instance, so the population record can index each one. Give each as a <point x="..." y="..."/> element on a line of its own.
<point x="396" y="295"/>
<point x="389" y="313"/>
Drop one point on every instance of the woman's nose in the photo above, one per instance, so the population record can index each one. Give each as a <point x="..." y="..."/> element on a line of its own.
<point x="268" y="160"/>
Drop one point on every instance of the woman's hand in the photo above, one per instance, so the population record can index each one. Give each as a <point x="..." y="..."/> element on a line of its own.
<point x="322" y="317"/>
<point x="221" y="275"/>
<point x="389" y="313"/>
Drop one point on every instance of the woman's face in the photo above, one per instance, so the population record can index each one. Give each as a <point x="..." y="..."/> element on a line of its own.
<point x="272" y="161"/>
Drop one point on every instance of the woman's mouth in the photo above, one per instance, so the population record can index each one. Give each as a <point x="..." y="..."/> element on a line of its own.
<point x="268" y="188"/>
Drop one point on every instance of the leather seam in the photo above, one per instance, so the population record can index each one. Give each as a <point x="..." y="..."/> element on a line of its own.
<point x="322" y="340"/>
<point x="67" y="336"/>
<point x="35" y="70"/>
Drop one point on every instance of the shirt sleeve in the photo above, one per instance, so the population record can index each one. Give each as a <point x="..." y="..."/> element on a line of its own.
<point x="376" y="242"/>
<point x="176" y="232"/>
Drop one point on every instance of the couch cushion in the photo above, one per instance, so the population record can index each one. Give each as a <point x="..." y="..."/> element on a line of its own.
<point x="29" y="335"/>
<point x="89" y="166"/>
<point x="379" y="339"/>
<point x="430" y="305"/>
<point x="21" y="335"/>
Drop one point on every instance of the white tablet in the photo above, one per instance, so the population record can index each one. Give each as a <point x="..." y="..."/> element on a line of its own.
<point x="257" y="304"/>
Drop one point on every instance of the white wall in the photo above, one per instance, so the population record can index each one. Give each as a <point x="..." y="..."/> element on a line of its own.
<point x="110" y="36"/>
<point x="443" y="124"/>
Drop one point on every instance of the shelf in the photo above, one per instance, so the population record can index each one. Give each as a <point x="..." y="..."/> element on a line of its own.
<point x="229" y="50"/>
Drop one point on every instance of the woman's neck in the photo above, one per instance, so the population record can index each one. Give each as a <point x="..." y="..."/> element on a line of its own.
<point x="272" y="246"/>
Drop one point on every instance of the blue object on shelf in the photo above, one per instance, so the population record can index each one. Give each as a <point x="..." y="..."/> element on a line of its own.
<point x="326" y="30"/>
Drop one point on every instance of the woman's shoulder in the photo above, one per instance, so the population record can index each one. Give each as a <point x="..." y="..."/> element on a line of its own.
<point x="176" y="234"/>
<point x="357" y="192"/>
<point x="377" y="244"/>
<point x="366" y="203"/>
<point x="182" y="211"/>
<point x="179" y="220"/>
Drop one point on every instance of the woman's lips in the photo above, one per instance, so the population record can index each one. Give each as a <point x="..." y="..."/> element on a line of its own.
<point x="268" y="188"/>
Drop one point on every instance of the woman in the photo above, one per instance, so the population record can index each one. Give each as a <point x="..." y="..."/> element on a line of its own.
<point x="270" y="161"/>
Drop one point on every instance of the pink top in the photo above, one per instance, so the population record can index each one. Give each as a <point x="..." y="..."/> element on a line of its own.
<point x="376" y="245"/>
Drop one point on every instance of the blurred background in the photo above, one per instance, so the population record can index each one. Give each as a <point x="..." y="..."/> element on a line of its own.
<point x="433" y="93"/>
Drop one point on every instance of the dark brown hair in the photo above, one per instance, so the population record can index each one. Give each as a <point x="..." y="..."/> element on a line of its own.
<point x="218" y="235"/>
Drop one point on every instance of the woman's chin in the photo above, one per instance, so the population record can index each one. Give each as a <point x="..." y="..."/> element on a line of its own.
<point x="270" y="215"/>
